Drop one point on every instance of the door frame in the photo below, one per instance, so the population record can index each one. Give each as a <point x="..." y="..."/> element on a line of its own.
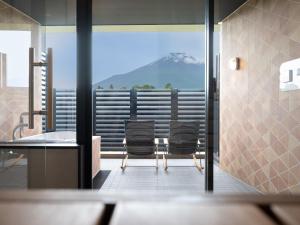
<point x="84" y="115"/>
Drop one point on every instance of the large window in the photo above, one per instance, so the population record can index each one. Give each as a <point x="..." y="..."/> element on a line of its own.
<point x="152" y="57"/>
<point x="137" y="70"/>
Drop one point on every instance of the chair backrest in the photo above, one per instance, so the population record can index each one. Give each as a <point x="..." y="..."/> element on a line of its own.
<point x="139" y="137"/>
<point x="183" y="137"/>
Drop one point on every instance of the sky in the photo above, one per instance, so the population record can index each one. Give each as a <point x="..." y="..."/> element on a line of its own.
<point x="16" y="56"/>
<point x="119" y="52"/>
<point x="130" y="50"/>
<point x="113" y="53"/>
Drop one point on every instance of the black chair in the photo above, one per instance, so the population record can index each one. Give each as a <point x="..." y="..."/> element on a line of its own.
<point x="183" y="140"/>
<point x="139" y="140"/>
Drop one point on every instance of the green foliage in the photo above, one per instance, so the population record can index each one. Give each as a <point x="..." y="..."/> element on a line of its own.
<point x="168" y="86"/>
<point x="144" y="87"/>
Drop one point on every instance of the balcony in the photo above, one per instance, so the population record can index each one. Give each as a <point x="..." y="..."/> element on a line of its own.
<point x="112" y="107"/>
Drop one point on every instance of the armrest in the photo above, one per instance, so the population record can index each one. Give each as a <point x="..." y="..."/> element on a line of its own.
<point x="124" y="141"/>
<point x="166" y="141"/>
<point x="156" y="141"/>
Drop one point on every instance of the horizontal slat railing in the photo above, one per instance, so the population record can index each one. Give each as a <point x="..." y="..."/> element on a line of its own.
<point x="191" y="106"/>
<point x="65" y="110"/>
<point x="113" y="107"/>
<point x="155" y="105"/>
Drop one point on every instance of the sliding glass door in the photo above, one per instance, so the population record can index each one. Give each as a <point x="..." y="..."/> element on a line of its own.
<point x="37" y="91"/>
<point x="149" y="66"/>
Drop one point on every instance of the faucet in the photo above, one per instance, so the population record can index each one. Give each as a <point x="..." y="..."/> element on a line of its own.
<point x="20" y="126"/>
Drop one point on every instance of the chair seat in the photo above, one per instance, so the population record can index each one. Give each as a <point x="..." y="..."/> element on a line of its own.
<point x="140" y="150"/>
<point x="182" y="149"/>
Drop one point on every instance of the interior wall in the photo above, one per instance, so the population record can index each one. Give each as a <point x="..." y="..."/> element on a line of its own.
<point x="259" y="123"/>
<point x="14" y="100"/>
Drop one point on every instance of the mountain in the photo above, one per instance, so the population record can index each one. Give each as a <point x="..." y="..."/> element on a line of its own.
<point x="179" y="69"/>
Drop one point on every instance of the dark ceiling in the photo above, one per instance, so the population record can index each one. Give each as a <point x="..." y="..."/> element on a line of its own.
<point x="121" y="12"/>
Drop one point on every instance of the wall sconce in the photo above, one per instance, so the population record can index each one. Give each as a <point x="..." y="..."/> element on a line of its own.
<point x="234" y="63"/>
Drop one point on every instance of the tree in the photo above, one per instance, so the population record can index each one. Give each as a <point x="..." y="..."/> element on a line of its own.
<point x="145" y="86"/>
<point x="168" y="86"/>
<point x="136" y="87"/>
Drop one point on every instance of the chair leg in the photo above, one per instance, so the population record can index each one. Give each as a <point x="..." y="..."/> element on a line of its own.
<point x="165" y="162"/>
<point x="2" y="158"/>
<point x="202" y="167"/>
<point x="124" y="162"/>
<point x="199" y="167"/>
<point x="156" y="156"/>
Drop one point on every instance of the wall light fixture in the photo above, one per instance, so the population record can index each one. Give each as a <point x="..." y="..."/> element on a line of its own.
<point x="234" y="63"/>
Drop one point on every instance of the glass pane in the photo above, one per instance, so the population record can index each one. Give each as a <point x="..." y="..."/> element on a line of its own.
<point x="37" y="65"/>
<point x="60" y="37"/>
<point x="62" y="40"/>
<point x="151" y="74"/>
<point x="18" y="32"/>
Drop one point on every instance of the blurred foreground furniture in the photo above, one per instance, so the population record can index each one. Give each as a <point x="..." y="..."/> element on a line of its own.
<point x="90" y="208"/>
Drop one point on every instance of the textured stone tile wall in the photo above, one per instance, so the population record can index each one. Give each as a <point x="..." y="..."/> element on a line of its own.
<point x="259" y="124"/>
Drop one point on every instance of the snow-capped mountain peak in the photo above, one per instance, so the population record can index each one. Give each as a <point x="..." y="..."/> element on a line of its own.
<point x="178" y="57"/>
<point x="178" y="69"/>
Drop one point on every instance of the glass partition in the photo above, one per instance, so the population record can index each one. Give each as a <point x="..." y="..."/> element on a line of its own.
<point x="37" y="95"/>
<point x="152" y="73"/>
<point x="155" y="63"/>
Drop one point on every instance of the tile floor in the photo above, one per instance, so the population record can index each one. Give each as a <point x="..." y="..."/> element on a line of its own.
<point x="140" y="177"/>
